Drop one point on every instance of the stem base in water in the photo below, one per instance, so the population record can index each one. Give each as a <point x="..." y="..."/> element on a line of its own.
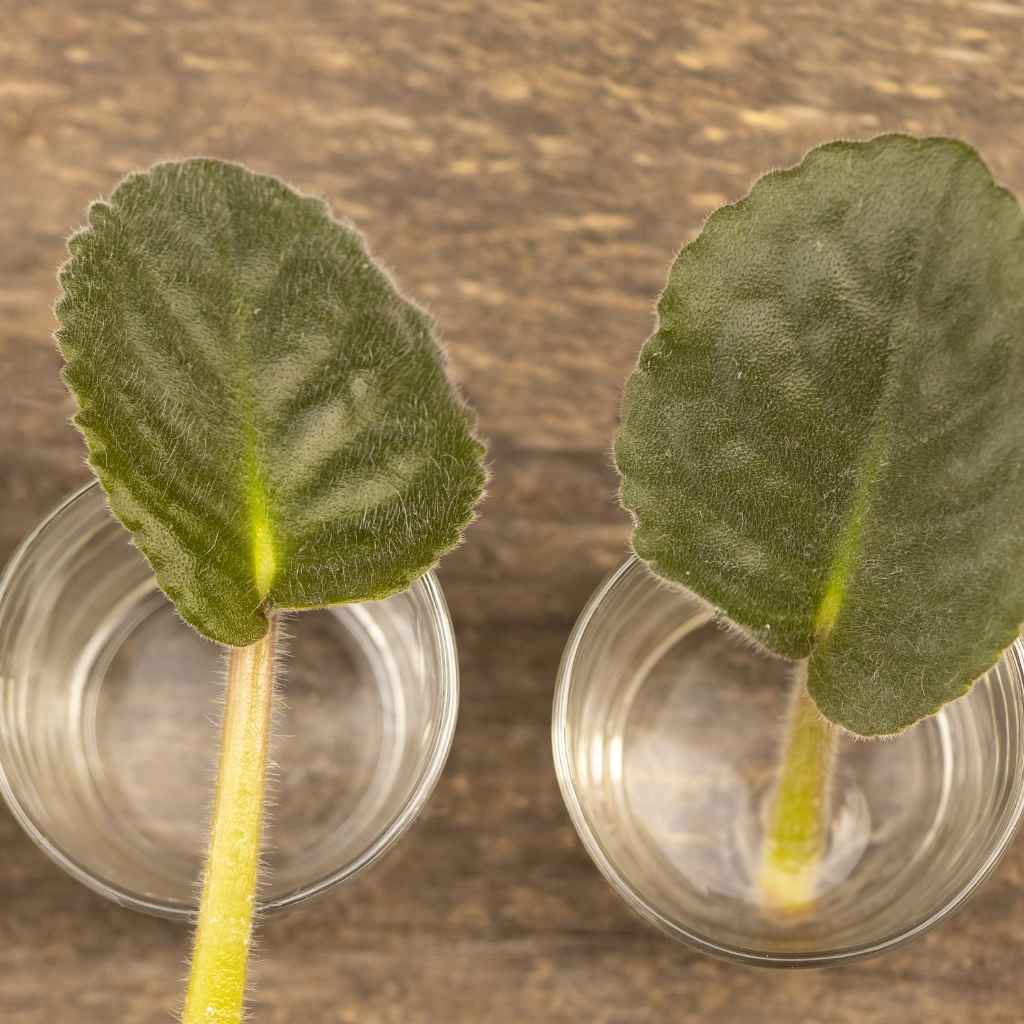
<point x="796" y="836"/>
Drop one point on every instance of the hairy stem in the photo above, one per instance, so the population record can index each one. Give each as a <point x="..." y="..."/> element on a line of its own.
<point x="216" y="985"/>
<point x="798" y="818"/>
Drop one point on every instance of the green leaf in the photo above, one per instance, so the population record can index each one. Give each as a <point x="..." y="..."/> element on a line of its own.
<point x="268" y="415"/>
<point x="823" y="437"/>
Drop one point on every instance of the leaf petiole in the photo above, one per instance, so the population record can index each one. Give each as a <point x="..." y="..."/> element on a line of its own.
<point x="796" y="835"/>
<point x="216" y="986"/>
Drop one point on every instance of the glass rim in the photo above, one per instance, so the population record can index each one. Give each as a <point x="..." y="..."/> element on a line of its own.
<point x="605" y="864"/>
<point x="435" y="760"/>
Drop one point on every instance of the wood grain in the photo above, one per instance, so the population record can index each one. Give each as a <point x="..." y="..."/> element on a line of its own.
<point x="527" y="170"/>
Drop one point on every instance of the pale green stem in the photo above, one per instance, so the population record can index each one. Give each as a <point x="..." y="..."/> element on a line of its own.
<point x="216" y="985"/>
<point x="798" y="818"/>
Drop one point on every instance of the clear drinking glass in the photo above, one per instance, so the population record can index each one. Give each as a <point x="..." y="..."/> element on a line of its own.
<point x="667" y="731"/>
<point x="108" y="721"/>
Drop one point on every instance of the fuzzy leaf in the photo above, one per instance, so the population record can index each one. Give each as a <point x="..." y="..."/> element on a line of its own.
<point x="823" y="437"/>
<point x="269" y="417"/>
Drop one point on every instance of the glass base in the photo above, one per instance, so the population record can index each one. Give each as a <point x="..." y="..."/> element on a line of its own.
<point x="151" y="694"/>
<point x="701" y="733"/>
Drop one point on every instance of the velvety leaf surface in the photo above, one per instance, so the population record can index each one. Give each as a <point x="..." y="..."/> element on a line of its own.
<point x="269" y="417"/>
<point x="824" y="436"/>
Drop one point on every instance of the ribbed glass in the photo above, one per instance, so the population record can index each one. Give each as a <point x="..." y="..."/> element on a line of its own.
<point x="108" y="721"/>
<point x="667" y="730"/>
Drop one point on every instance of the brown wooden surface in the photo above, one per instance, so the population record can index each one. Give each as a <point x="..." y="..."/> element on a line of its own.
<point x="527" y="170"/>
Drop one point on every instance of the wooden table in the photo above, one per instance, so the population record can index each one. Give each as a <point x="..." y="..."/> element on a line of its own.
<point x="527" y="170"/>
